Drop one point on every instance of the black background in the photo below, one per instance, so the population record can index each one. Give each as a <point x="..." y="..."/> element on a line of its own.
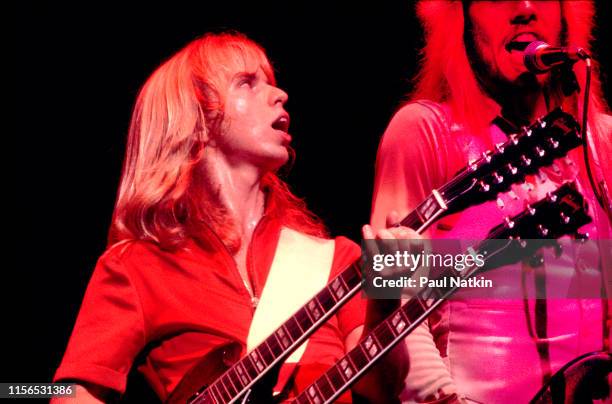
<point x="77" y="69"/>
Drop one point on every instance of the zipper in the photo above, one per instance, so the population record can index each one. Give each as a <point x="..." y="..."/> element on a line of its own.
<point x="249" y="265"/>
<point x="254" y="300"/>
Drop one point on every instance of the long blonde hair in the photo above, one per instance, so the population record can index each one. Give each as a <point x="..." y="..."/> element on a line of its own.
<point x="162" y="197"/>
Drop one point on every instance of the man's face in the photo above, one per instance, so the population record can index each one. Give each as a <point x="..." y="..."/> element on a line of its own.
<point x="501" y="29"/>
<point x="255" y="123"/>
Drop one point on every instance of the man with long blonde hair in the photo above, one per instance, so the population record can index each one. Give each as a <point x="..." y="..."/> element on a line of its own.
<point x="472" y="90"/>
<point x="201" y="224"/>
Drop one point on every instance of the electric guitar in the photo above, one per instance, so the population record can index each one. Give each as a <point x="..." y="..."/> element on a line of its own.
<point x="523" y="153"/>
<point x="563" y="212"/>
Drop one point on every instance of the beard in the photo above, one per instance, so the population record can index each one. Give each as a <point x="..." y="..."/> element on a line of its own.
<point x="492" y="82"/>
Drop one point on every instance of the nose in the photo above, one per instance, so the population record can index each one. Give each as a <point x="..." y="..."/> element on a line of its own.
<point x="277" y="96"/>
<point x="524" y="12"/>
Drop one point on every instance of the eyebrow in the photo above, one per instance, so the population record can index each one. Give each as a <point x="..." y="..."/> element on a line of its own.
<point x="245" y="75"/>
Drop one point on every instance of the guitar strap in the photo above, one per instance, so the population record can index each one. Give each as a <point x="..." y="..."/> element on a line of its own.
<point x="301" y="267"/>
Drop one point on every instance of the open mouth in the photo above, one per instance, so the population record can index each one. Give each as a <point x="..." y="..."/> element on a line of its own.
<point x="517" y="45"/>
<point x="282" y="123"/>
<point x="520" y="41"/>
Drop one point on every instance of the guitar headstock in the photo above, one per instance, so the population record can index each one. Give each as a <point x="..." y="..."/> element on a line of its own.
<point x="523" y="153"/>
<point x="561" y="213"/>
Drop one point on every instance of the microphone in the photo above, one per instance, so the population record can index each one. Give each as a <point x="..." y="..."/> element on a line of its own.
<point x="540" y="57"/>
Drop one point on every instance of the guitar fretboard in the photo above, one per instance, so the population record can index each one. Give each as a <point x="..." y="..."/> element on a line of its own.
<point x="277" y="347"/>
<point x="384" y="336"/>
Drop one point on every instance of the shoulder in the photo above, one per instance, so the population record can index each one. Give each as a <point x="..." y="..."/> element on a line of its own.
<point x="422" y="123"/>
<point x="419" y="114"/>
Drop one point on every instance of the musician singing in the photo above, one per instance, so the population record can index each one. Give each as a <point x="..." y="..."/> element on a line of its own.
<point x="201" y="224"/>
<point x="471" y="92"/>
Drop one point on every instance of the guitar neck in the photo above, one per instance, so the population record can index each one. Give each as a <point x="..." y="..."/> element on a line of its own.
<point x="382" y="339"/>
<point x="239" y="378"/>
<point x="562" y="211"/>
<point x="426" y="213"/>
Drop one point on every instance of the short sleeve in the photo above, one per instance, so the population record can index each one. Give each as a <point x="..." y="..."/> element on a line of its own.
<point x="109" y="331"/>
<point x="410" y="161"/>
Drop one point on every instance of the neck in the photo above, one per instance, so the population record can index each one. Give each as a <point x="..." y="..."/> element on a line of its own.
<point x="239" y="189"/>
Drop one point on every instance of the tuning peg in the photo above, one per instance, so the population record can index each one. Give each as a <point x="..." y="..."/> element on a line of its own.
<point x="484" y="186"/>
<point x="472" y="164"/>
<point x="530" y="209"/>
<point x="542" y="123"/>
<point x="526" y="160"/>
<point x="542" y="230"/>
<point x="487" y="156"/>
<point x="514" y="138"/>
<point x="564" y="218"/>
<point x="499" y="147"/>
<point x="539" y="151"/>
<point x="498" y="178"/>
<point x="500" y="203"/>
<point x="513" y="170"/>
<point x="522" y="243"/>
<point x="554" y="143"/>
<point x="509" y="222"/>
<point x="550" y="197"/>
<point x="527" y="131"/>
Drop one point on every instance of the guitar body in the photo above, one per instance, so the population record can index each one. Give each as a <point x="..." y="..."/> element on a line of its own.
<point x="210" y="368"/>
<point x="580" y="381"/>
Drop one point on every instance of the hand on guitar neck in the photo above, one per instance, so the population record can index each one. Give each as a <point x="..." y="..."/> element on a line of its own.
<point x="377" y="386"/>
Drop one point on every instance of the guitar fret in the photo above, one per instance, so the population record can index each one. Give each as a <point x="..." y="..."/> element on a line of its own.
<point x="284" y="337"/>
<point x="314" y="394"/>
<point x="216" y="396"/>
<point x="314" y="309"/>
<point x="242" y="374"/>
<point x="226" y="381"/>
<point x="293" y="328"/>
<point x="257" y="361"/>
<point x="335" y="377"/>
<point x="399" y="322"/>
<point x="358" y="357"/>
<point x="265" y="353"/>
<point x="223" y="394"/>
<point x="303" y="319"/>
<point x="249" y="365"/>
<point x="274" y="345"/>
<point x="325" y="387"/>
<point x="351" y="277"/>
<point x="347" y="369"/>
<point x="235" y="379"/>
<point x="338" y="288"/>
<point x="370" y="346"/>
<point x="413" y="310"/>
<point x="326" y="300"/>
<point x="384" y="334"/>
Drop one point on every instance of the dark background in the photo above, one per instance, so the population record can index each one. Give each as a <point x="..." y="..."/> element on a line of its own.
<point x="77" y="69"/>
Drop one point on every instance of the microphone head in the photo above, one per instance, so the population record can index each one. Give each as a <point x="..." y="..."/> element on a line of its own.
<point x="531" y="58"/>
